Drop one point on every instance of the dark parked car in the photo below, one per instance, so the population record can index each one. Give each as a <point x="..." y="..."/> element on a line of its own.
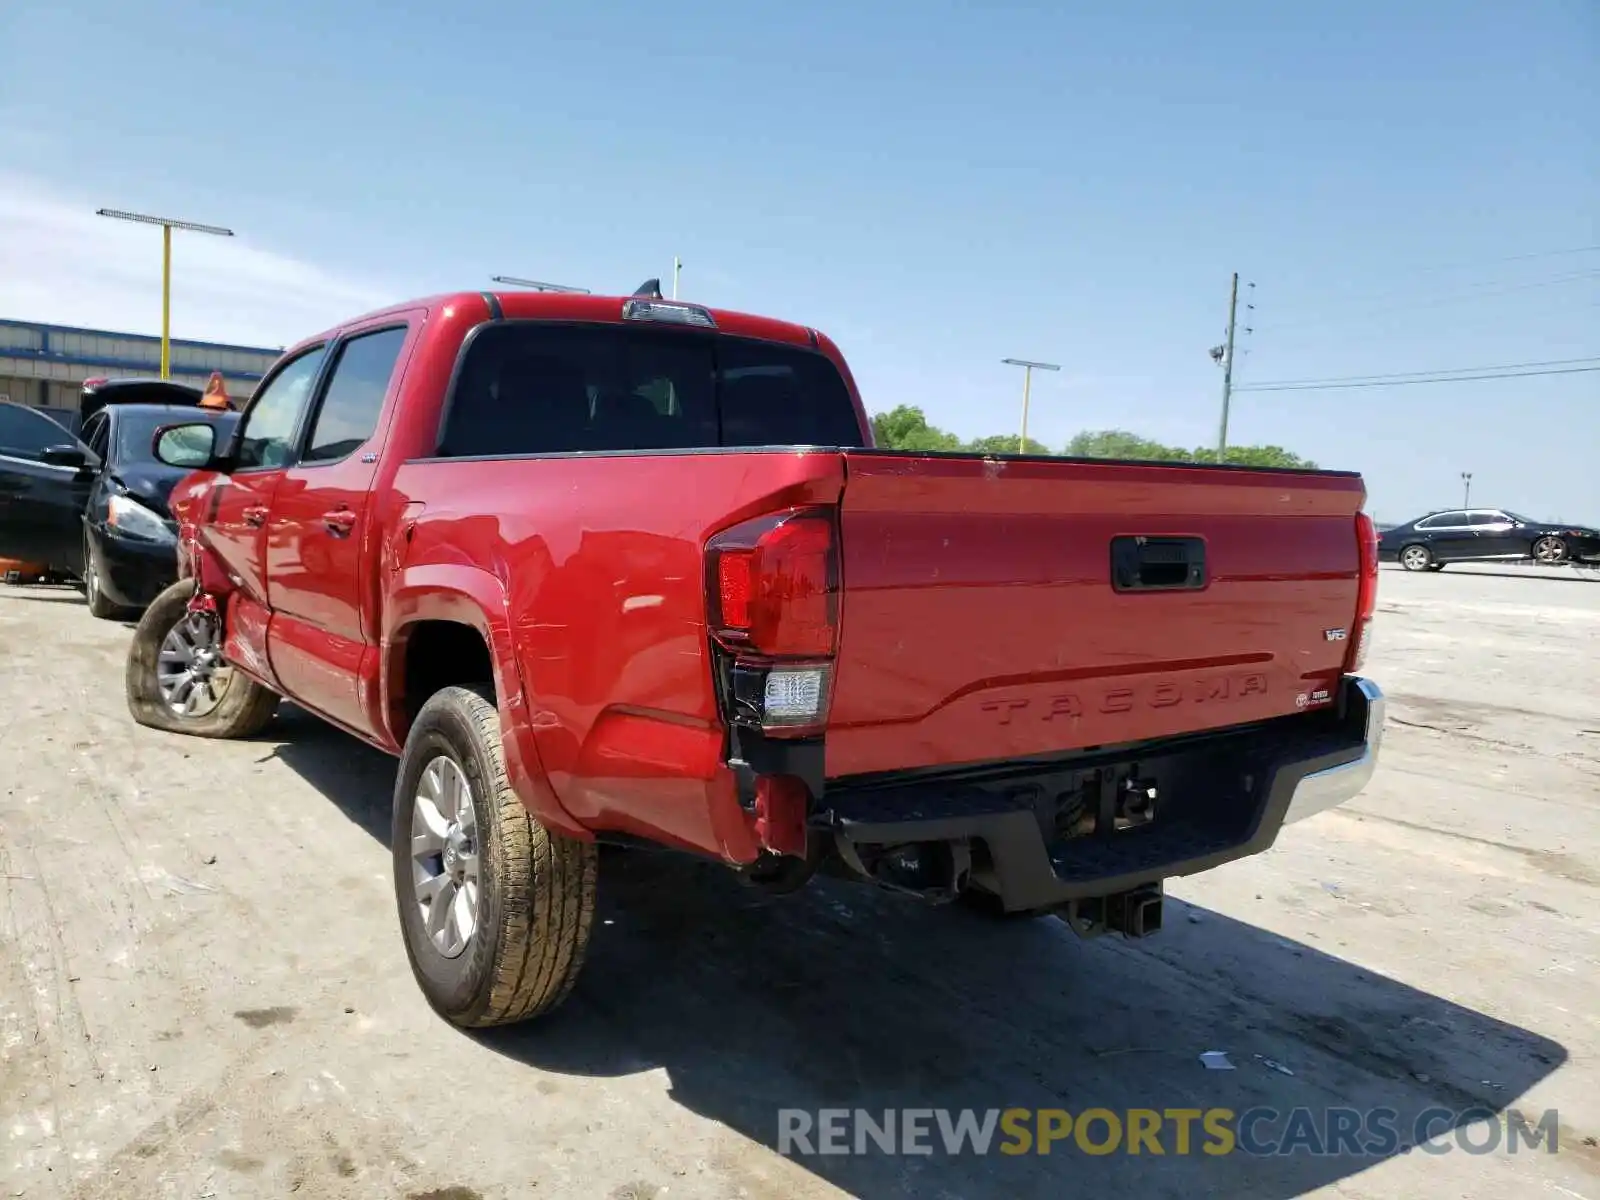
<point x="95" y="506"/>
<point x="1471" y="535"/>
<point x="99" y="393"/>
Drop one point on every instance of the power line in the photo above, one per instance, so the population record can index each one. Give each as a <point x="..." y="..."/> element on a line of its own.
<point x="1382" y="376"/>
<point x="1320" y="387"/>
<point x="1490" y="262"/>
<point x="1473" y="291"/>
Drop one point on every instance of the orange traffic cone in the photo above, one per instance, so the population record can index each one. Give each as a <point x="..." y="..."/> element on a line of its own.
<point x="216" y="392"/>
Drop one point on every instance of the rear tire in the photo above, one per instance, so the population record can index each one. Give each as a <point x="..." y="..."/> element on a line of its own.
<point x="518" y="899"/>
<point x="227" y="704"/>
<point x="1416" y="557"/>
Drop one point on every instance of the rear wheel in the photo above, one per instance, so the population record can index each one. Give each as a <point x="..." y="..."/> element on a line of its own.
<point x="178" y="680"/>
<point x="1550" y="550"/>
<point x="1416" y="558"/>
<point x="495" y="908"/>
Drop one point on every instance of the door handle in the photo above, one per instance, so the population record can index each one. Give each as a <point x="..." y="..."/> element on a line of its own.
<point x="339" y="522"/>
<point x="256" y="515"/>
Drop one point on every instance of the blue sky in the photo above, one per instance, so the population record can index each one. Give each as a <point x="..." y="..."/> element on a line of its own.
<point x="937" y="185"/>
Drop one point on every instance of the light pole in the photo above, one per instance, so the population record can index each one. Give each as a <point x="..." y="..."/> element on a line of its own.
<point x="1028" y="369"/>
<point x="677" y="266"/>
<point x="1466" y="489"/>
<point x="168" y="224"/>
<point x="537" y="286"/>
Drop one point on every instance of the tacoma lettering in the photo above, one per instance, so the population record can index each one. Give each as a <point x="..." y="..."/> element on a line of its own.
<point x="1071" y="705"/>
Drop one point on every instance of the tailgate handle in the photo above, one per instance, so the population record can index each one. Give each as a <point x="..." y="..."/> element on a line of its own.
<point x="1157" y="564"/>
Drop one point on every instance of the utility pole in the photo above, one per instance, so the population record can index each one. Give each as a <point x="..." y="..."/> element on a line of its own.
<point x="1227" y="367"/>
<point x="1466" y="489"/>
<point x="1027" y="383"/>
<point x="168" y="224"/>
<point x="677" y="265"/>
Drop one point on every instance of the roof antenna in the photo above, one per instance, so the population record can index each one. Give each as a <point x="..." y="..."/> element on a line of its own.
<point x="650" y="288"/>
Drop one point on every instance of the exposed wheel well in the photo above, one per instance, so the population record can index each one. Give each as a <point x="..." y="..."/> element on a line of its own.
<point x="437" y="655"/>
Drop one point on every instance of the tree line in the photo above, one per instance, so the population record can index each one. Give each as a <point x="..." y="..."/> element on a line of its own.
<point x="906" y="428"/>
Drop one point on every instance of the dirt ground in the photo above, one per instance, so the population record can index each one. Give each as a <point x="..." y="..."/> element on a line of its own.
<point x="203" y="991"/>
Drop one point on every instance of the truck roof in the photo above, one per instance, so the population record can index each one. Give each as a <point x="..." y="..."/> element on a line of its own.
<point x="515" y="304"/>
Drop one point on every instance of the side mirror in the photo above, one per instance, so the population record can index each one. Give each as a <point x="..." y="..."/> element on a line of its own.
<point x="65" y="455"/>
<point x="191" y="446"/>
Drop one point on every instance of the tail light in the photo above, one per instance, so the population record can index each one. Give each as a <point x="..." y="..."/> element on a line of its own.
<point x="1366" y="592"/>
<point x="773" y="592"/>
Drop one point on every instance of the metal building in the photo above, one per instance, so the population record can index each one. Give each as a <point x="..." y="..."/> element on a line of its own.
<point x="43" y="366"/>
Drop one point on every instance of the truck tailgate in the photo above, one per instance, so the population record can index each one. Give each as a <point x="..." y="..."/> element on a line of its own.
<point x="980" y="621"/>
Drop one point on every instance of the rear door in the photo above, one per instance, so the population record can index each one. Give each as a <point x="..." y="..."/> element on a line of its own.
<point x="1000" y="609"/>
<point x="320" y="532"/>
<point x="1450" y="536"/>
<point x="236" y="513"/>
<point x="41" y="502"/>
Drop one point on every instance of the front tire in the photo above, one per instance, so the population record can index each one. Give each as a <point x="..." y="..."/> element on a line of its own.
<point x="1416" y="557"/>
<point x="93" y="594"/>
<point x="1550" y="550"/>
<point x="1437" y="566"/>
<point x="177" y="679"/>
<point x="495" y="909"/>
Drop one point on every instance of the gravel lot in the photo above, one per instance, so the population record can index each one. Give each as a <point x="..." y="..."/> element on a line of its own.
<point x="203" y="991"/>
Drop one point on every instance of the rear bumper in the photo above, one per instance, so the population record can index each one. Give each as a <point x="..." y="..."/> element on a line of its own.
<point x="1330" y="787"/>
<point x="1223" y="797"/>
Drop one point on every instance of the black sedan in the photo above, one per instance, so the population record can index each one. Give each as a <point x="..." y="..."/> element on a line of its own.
<point x="1484" y="534"/>
<point x="95" y="506"/>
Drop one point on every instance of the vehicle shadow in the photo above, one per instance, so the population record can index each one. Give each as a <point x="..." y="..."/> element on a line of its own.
<point x="39" y="595"/>
<point x="1577" y="573"/>
<point x="843" y="997"/>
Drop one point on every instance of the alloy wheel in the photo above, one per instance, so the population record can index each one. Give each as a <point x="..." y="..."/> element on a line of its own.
<point x="1550" y="550"/>
<point x="190" y="670"/>
<point x="444" y="856"/>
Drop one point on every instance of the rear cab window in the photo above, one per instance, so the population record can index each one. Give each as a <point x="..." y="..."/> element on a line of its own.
<point x="548" y="388"/>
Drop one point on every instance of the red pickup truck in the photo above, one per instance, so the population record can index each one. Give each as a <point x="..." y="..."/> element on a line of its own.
<point x="630" y="570"/>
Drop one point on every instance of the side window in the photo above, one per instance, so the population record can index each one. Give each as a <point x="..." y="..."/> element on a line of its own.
<point x="1448" y="520"/>
<point x="25" y="433"/>
<point x="97" y="435"/>
<point x="1490" y="518"/>
<point x="349" y="412"/>
<point x="267" y="436"/>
